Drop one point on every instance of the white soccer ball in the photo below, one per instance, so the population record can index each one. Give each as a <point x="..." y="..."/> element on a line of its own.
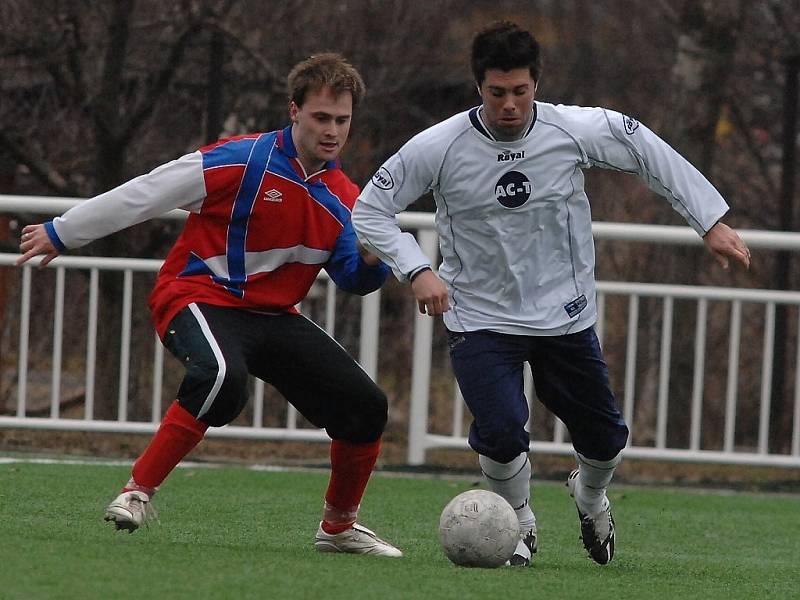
<point x="478" y="528"/>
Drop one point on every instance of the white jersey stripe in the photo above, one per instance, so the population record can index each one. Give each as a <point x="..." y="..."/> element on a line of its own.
<point x="269" y="260"/>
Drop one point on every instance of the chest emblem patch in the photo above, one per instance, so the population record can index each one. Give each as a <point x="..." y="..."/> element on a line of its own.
<point x="513" y="189"/>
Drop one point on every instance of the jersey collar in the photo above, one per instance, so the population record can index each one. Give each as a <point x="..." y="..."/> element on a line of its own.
<point x="286" y="145"/>
<point x="476" y="118"/>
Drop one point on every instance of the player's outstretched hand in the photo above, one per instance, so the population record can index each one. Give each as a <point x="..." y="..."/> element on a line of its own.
<point x="431" y="293"/>
<point x="724" y="243"/>
<point x="35" y="241"/>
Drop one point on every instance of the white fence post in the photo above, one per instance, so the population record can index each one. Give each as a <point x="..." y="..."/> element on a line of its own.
<point x="421" y="368"/>
<point x="370" y="330"/>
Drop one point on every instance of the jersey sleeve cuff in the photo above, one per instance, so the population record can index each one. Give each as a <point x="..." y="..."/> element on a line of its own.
<point x="414" y="272"/>
<point x="54" y="239"/>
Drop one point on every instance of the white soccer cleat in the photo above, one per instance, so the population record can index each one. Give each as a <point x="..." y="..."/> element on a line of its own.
<point x="356" y="540"/>
<point x="526" y="548"/>
<point x="130" y="510"/>
<point x="597" y="531"/>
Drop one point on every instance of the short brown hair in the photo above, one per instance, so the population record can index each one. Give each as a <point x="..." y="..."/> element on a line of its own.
<point x="324" y="70"/>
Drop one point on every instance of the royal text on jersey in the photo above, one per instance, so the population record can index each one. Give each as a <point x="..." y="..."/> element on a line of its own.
<point x="507" y="156"/>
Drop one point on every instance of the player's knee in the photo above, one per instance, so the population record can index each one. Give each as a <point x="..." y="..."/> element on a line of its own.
<point x="227" y="394"/>
<point x="365" y="423"/>
<point x="505" y="451"/>
<point x="505" y="442"/>
<point x="619" y="439"/>
<point x="602" y="443"/>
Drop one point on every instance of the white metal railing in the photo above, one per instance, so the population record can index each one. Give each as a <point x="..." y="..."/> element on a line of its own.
<point x="420" y="439"/>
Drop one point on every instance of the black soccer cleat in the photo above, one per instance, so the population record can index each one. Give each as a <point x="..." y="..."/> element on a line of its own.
<point x="597" y="532"/>
<point x="526" y="548"/>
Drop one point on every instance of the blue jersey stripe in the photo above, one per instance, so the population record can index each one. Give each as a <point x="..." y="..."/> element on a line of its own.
<point x="233" y="152"/>
<point x="243" y="206"/>
<point x="323" y="196"/>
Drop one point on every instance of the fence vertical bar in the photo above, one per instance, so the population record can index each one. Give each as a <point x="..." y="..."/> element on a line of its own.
<point x="458" y="411"/>
<point x="258" y="404"/>
<point x="766" y="377"/>
<point x="91" y="343"/>
<point x="291" y="417"/>
<point x="630" y="362"/>
<point x="330" y="307"/>
<point x="733" y="375"/>
<point x="698" y="376"/>
<point x="663" y="373"/>
<point x="24" y="333"/>
<point x="370" y="330"/>
<point x="125" y="345"/>
<point x="158" y="376"/>
<point x="796" y="419"/>
<point x="599" y="328"/>
<point x="421" y="368"/>
<point x="58" y="341"/>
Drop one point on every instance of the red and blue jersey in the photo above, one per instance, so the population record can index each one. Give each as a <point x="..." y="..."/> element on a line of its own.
<point x="259" y="231"/>
<point x="263" y="233"/>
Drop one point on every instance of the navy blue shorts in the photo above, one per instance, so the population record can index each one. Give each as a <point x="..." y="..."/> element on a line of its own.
<point x="571" y="380"/>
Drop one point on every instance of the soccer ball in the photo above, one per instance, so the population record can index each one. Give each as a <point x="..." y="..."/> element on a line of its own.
<point x="478" y="528"/>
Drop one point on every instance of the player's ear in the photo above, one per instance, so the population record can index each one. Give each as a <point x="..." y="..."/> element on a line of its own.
<point x="293" y="110"/>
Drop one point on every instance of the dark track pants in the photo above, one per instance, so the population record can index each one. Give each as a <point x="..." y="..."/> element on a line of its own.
<point x="220" y="346"/>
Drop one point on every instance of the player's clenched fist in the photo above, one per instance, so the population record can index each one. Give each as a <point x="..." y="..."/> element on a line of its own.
<point x="431" y="293"/>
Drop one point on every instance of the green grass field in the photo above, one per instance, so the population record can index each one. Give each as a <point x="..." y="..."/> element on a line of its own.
<point x="238" y="533"/>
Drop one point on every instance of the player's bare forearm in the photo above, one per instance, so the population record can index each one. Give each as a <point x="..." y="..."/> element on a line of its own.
<point x="725" y="244"/>
<point x="35" y="242"/>
<point x="367" y="256"/>
<point x="430" y="293"/>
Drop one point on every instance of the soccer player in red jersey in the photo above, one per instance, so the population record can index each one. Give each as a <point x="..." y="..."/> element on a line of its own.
<point x="267" y="212"/>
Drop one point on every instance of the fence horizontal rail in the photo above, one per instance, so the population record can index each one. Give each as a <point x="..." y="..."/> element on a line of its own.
<point x="750" y="333"/>
<point x="602" y="230"/>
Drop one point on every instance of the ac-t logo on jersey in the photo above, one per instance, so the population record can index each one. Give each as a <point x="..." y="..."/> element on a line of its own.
<point x="513" y="189"/>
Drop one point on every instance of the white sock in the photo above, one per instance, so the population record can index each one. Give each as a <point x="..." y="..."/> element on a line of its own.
<point x="512" y="481"/>
<point x="593" y="479"/>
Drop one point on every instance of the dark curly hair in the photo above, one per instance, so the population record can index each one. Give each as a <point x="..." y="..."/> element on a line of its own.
<point x="503" y="45"/>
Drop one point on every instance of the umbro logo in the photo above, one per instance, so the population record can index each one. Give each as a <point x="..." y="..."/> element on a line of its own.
<point x="273" y="195"/>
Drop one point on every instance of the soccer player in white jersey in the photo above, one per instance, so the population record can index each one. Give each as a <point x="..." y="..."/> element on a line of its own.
<point x="516" y="283"/>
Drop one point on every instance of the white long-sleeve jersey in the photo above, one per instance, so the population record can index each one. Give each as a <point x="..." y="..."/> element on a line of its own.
<point x="513" y="219"/>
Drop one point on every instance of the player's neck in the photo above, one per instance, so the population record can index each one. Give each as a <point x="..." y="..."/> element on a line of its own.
<point x="502" y="136"/>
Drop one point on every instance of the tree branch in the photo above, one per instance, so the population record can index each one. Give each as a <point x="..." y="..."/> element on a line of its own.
<point x="163" y="79"/>
<point x="105" y="117"/>
<point x="38" y="168"/>
<point x="752" y="147"/>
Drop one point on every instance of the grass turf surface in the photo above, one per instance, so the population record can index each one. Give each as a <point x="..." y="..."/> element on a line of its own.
<point x="238" y="533"/>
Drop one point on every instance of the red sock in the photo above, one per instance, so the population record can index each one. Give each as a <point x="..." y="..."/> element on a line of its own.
<point x="177" y="435"/>
<point x="351" y="467"/>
